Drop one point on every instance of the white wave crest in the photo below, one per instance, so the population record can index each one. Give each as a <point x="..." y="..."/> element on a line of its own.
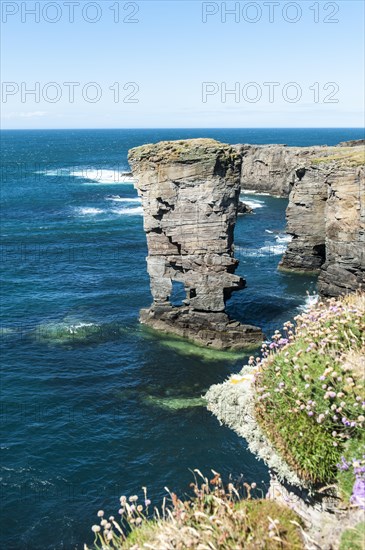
<point x="137" y="211"/>
<point x="253" y="203"/>
<point x="103" y="176"/>
<point x="89" y="211"/>
<point x="283" y="238"/>
<point x="72" y="329"/>
<point x="123" y="199"/>
<point x="263" y="251"/>
<point x="310" y="301"/>
<point x="94" y="175"/>
<point x="273" y="249"/>
<point x="252" y="192"/>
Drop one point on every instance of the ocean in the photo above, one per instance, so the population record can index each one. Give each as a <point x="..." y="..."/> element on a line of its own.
<point x="93" y="404"/>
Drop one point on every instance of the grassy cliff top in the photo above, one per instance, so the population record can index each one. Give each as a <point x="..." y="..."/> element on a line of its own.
<point x="182" y="150"/>
<point x="344" y="156"/>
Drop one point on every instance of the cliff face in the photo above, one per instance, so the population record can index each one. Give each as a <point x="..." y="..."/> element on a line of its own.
<point x="273" y="168"/>
<point x="325" y="216"/>
<point x="344" y="268"/>
<point x="190" y="196"/>
<point x="306" y="221"/>
<point x="190" y="192"/>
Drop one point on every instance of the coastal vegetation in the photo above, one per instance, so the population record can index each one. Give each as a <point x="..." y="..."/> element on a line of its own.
<point x="310" y="392"/>
<point x="309" y="401"/>
<point x="343" y="156"/>
<point x="217" y="517"/>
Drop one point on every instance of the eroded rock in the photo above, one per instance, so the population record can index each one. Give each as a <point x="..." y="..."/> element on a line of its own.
<point x="325" y="215"/>
<point x="190" y="192"/>
<point x="344" y="268"/>
<point x="306" y="221"/>
<point x="273" y="168"/>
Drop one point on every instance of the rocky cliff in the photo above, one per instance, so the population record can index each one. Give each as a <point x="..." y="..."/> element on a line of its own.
<point x="344" y="267"/>
<point x="326" y="218"/>
<point x="273" y="168"/>
<point x="190" y="194"/>
<point x="306" y="221"/>
<point x="325" y="215"/>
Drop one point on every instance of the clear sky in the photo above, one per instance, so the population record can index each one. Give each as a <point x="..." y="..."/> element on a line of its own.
<point x="172" y="63"/>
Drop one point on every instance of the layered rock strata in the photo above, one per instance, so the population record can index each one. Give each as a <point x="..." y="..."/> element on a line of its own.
<point x="306" y="223"/>
<point x="273" y="168"/>
<point x="344" y="267"/>
<point x="190" y="193"/>
<point x="325" y="215"/>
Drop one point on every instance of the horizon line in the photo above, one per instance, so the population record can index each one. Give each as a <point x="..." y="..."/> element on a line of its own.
<point x="195" y="128"/>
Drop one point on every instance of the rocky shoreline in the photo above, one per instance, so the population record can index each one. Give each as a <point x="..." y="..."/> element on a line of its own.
<point x="322" y="507"/>
<point x="326" y="211"/>
<point x="233" y="403"/>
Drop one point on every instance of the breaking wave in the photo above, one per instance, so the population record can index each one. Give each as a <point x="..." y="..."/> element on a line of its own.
<point x="253" y="203"/>
<point x="93" y="175"/>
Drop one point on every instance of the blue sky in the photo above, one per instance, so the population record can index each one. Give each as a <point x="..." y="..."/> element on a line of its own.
<point x="308" y="54"/>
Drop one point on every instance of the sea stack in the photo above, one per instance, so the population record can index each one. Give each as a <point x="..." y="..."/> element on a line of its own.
<point x="326" y="217"/>
<point x="190" y="194"/>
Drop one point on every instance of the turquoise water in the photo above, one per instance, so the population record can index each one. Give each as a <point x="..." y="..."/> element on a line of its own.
<point x="93" y="405"/>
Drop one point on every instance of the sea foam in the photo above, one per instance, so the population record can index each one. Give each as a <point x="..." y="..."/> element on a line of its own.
<point x="283" y="238"/>
<point x="104" y="176"/>
<point x="89" y="211"/>
<point x="136" y="211"/>
<point x="253" y="203"/>
<point x="123" y="199"/>
<point x="93" y="175"/>
<point x="310" y="301"/>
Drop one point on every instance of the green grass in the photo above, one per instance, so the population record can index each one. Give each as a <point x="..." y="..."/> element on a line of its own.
<point x="346" y="156"/>
<point x="353" y="539"/>
<point x="306" y="390"/>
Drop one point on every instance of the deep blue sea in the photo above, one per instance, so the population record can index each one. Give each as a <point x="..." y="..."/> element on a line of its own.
<point x="93" y="405"/>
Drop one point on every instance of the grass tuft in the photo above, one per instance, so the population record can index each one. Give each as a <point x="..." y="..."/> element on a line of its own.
<point x="353" y="539"/>
<point x="217" y="518"/>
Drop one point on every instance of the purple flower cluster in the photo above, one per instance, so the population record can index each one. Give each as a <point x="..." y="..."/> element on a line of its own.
<point x="358" y="490"/>
<point x="343" y="465"/>
<point x="358" y="493"/>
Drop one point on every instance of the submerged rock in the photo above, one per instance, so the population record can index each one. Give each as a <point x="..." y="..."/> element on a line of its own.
<point x="174" y="403"/>
<point x="244" y="208"/>
<point x="190" y="193"/>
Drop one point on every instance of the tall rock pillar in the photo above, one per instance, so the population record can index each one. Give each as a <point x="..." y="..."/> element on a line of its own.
<point x="190" y="193"/>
